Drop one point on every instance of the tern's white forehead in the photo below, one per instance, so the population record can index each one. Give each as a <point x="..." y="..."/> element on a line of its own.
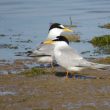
<point x="62" y="26"/>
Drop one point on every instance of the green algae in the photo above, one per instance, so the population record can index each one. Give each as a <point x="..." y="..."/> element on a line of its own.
<point x="37" y="71"/>
<point x="101" y="40"/>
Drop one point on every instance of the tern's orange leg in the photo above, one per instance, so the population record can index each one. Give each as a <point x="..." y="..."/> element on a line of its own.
<point x="67" y="74"/>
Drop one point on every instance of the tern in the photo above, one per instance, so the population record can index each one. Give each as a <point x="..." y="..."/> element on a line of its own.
<point x="68" y="58"/>
<point x="43" y="53"/>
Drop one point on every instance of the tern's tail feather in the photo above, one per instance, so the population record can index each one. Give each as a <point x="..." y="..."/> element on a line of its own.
<point x="100" y="66"/>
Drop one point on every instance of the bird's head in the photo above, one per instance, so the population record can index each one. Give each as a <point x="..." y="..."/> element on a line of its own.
<point x="56" y="29"/>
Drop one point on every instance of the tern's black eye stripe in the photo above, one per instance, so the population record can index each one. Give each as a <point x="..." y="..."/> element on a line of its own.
<point x="61" y="38"/>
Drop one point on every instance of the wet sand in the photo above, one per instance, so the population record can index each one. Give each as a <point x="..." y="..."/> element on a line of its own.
<point x="50" y="92"/>
<point x="86" y="90"/>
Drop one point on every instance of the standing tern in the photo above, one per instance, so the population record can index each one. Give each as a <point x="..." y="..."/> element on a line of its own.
<point x="68" y="58"/>
<point x="43" y="53"/>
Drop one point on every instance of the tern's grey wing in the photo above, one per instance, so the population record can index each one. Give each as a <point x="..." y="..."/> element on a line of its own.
<point x="70" y="52"/>
<point x="44" y="49"/>
<point x="71" y="58"/>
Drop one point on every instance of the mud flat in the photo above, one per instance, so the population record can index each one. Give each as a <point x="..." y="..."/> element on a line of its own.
<point x="89" y="90"/>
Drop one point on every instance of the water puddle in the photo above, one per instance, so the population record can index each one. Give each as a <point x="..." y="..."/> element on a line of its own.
<point x="3" y="93"/>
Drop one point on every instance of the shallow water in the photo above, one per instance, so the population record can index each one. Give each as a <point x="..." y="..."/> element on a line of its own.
<point x="22" y="20"/>
<point x="7" y="93"/>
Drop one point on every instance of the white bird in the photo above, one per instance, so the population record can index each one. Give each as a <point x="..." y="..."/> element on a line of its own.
<point x="68" y="58"/>
<point x="43" y="53"/>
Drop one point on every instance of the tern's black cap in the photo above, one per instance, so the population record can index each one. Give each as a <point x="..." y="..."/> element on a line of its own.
<point x="55" y="25"/>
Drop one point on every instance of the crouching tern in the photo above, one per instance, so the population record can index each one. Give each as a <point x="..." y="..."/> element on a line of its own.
<point x="43" y="53"/>
<point x="68" y="58"/>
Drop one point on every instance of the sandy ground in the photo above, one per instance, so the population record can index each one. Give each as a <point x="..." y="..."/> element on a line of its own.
<point x="86" y="90"/>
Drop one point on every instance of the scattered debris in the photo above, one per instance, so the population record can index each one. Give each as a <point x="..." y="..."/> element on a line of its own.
<point x="25" y="41"/>
<point x="16" y="34"/>
<point x="107" y="26"/>
<point x="105" y="60"/>
<point x="2" y="35"/>
<point x="10" y="46"/>
<point x="85" y="52"/>
<point x="20" y="53"/>
<point x="70" y="26"/>
<point x="72" y="37"/>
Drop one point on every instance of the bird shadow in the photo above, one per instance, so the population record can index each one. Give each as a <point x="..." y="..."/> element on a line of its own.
<point x="76" y="75"/>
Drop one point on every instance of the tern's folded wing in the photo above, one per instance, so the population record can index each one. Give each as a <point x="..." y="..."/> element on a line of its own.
<point x="44" y="49"/>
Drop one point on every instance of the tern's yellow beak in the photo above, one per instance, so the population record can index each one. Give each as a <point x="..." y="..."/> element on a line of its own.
<point x="67" y="29"/>
<point x="48" y="41"/>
